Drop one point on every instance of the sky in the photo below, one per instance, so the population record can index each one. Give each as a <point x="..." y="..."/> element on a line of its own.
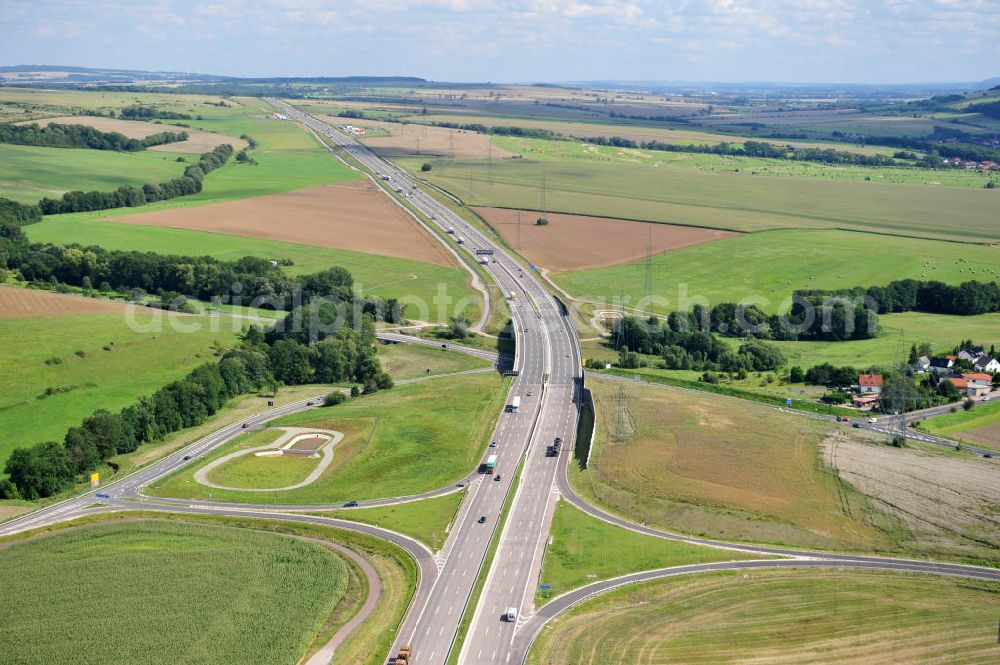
<point x="824" y="41"/>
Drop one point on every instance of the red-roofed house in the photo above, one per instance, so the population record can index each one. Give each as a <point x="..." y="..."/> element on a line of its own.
<point x="870" y="383"/>
<point x="978" y="377"/>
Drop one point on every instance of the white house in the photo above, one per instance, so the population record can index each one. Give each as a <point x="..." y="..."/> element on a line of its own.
<point x="987" y="364"/>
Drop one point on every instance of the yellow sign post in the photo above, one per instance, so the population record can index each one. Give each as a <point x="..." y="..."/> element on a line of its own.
<point x="95" y="479"/>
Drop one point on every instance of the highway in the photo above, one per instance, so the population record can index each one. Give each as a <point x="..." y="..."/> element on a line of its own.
<point x="547" y="377"/>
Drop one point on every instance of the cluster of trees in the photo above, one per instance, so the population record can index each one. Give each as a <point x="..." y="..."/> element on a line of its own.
<point x="680" y="349"/>
<point x="18" y="214"/>
<point x="911" y="295"/>
<point x="80" y="136"/>
<point x="989" y="109"/>
<point x="750" y="149"/>
<point x="128" y="196"/>
<point x="831" y="319"/>
<point x="262" y="361"/>
<point x="201" y="277"/>
<point x="150" y="112"/>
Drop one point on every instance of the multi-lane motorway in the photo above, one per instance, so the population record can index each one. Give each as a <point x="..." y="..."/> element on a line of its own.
<point x="547" y="378"/>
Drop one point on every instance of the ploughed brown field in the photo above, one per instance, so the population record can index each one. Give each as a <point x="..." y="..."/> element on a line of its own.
<point x="579" y="242"/>
<point x="411" y="140"/>
<point x="354" y="216"/>
<point x="20" y="303"/>
<point x="198" y="141"/>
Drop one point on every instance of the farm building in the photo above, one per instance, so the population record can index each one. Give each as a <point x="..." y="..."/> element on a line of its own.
<point x="869" y="384"/>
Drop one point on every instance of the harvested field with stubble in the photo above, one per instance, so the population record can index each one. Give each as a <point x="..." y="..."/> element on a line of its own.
<point x="21" y="303"/>
<point x="949" y="503"/>
<point x="411" y="140"/>
<point x="580" y="242"/>
<point x="779" y="617"/>
<point x="355" y="216"/>
<point x="198" y="141"/>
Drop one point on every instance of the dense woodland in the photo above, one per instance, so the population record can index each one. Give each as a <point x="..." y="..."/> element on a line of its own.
<point x="18" y="214"/>
<point x="150" y="113"/>
<point x="285" y="355"/>
<point x="910" y="295"/>
<point x="80" y="136"/>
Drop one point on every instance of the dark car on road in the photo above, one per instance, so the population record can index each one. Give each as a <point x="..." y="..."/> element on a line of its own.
<point x="351" y="504"/>
<point x="482" y="520"/>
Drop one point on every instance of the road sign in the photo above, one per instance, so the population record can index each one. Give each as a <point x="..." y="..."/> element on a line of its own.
<point x="102" y="496"/>
<point x="531" y="267"/>
<point x="545" y="587"/>
<point x="95" y="479"/>
<point x="788" y="401"/>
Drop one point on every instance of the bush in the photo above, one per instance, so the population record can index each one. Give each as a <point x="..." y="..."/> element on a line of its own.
<point x="968" y="404"/>
<point x="542" y="221"/>
<point x="425" y="167"/>
<point x="334" y="398"/>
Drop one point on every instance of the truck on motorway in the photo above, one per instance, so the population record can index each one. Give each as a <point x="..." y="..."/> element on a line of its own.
<point x="484" y="261"/>
<point x="515" y="404"/>
<point x="460" y="240"/>
<point x="451" y="229"/>
<point x="512" y="296"/>
<point x="490" y="465"/>
<point x="510" y="614"/>
<point x="404" y="656"/>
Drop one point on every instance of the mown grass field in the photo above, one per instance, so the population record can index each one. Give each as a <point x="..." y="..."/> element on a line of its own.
<point x="29" y="173"/>
<point x="407" y="440"/>
<point x="151" y="591"/>
<point x="583" y="549"/>
<point x="725" y="468"/>
<point x="980" y="426"/>
<point x="408" y="361"/>
<point x="373" y="275"/>
<point x="780" y="616"/>
<point x="426" y="520"/>
<point x="765" y="268"/>
<point x="88" y="377"/>
<point x="652" y="189"/>
<point x="263" y="472"/>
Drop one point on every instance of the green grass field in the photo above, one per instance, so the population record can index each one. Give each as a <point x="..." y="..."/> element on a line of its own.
<point x="138" y="364"/>
<point x="780" y="616"/>
<point x="408" y="361"/>
<point x="407" y="440"/>
<point x="723" y="468"/>
<point x="373" y="275"/>
<point x="29" y="173"/>
<point x="263" y="472"/>
<point x="980" y="426"/>
<point x="583" y="549"/>
<point x="151" y="591"/>
<point x="426" y="520"/>
<point x="654" y="190"/>
<point x="764" y="268"/>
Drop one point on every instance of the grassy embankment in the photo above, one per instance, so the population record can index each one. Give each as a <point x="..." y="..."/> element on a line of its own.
<point x="784" y="616"/>
<point x="411" y="439"/>
<point x="427" y="520"/>
<point x="583" y="549"/>
<point x="980" y="426"/>
<point x="410" y="361"/>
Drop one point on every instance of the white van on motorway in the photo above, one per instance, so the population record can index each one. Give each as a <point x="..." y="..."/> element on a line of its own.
<point x="511" y="614"/>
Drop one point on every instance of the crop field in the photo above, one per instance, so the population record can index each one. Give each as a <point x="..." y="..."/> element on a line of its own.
<point x="583" y="549"/>
<point x="766" y="267"/>
<point x="435" y="430"/>
<point x="780" y="617"/>
<point x="354" y="216"/>
<point x="393" y="139"/>
<point x="385" y="276"/>
<point x="29" y="173"/>
<point x="725" y="468"/>
<point x="197" y="142"/>
<point x="578" y="242"/>
<point x="980" y="426"/>
<point x="944" y="501"/>
<point x="409" y="361"/>
<point x="60" y="369"/>
<point x="246" y="596"/>
<point x="648" y="186"/>
<point x="17" y="303"/>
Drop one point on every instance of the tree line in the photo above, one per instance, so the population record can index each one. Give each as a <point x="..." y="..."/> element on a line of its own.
<point x="911" y="295"/>
<point x="523" y="132"/>
<point x="149" y="112"/>
<point x="696" y="350"/>
<point x="81" y="136"/>
<point x="170" y="275"/>
<point x="343" y="355"/>
<point x="14" y="213"/>
<point x="128" y="196"/>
